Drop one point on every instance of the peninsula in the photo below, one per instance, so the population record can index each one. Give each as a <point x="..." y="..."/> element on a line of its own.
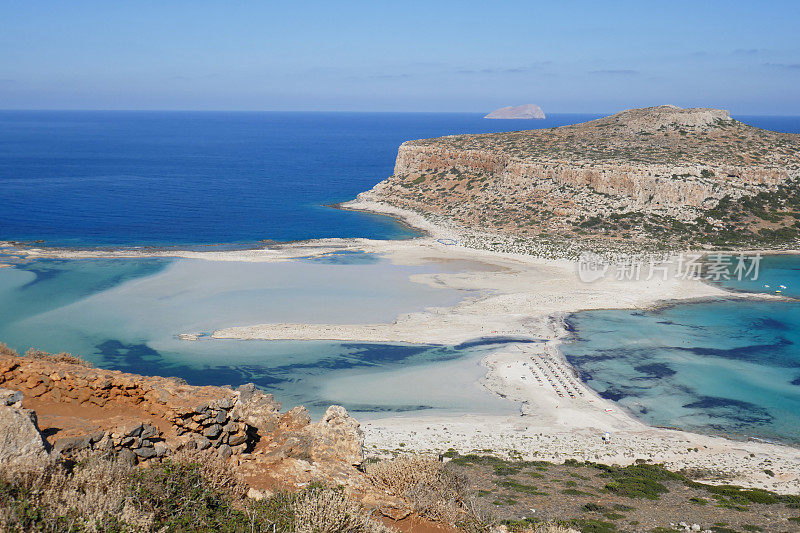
<point x="660" y="176"/>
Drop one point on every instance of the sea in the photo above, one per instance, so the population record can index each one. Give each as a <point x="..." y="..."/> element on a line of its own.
<point x="186" y="179"/>
<point x="88" y="179"/>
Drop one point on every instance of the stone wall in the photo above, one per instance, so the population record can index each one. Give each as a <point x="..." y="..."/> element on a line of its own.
<point x="151" y="417"/>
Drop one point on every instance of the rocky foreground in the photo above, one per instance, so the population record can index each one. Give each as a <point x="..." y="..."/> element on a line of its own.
<point x="655" y="176"/>
<point x="85" y="449"/>
<point x="59" y="407"/>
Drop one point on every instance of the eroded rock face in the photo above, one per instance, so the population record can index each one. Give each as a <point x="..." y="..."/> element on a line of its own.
<point x="20" y="438"/>
<point x="338" y="437"/>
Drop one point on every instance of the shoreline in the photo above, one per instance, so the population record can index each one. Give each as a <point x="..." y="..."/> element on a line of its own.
<point x="518" y="296"/>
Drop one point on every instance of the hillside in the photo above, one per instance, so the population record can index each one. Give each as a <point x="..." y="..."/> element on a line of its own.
<point x="660" y="175"/>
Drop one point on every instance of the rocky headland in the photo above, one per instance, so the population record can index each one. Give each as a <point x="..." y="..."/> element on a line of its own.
<point x="660" y="176"/>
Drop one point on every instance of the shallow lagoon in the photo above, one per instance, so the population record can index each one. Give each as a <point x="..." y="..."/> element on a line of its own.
<point x="724" y="366"/>
<point x="125" y="314"/>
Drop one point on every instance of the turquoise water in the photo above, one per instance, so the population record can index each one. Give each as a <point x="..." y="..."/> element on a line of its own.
<point x="125" y="314"/>
<point x="724" y="366"/>
<point x="774" y="271"/>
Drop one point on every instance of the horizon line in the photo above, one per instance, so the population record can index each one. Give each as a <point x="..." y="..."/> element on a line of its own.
<point x="166" y="110"/>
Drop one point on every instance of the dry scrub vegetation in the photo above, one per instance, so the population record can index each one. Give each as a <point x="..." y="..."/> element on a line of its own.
<point x="187" y="493"/>
<point x="34" y="353"/>
<point x="442" y="492"/>
<point x="198" y="492"/>
<point x="435" y="490"/>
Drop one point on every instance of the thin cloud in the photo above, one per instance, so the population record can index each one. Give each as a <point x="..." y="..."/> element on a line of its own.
<point x="786" y="66"/>
<point x="209" y="76"/>
<point x="389" y="76"/>
<point x="616" y="72"/>
<point x="751" y="51"/>
<point x="506" y="70"/>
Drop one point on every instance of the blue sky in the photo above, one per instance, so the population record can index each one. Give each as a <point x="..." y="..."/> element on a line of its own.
<point x="399" y="56"/>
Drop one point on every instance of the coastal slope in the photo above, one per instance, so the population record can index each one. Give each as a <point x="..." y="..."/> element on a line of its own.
<point x="661" y="175"/>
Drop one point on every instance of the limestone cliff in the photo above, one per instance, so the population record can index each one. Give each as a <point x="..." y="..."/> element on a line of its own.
<point x="655" y="173"/>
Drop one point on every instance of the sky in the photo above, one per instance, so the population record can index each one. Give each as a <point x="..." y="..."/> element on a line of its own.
<point x="566" y="56"/>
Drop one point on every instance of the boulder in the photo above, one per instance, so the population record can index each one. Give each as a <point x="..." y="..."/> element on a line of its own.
<point x="337" y="437"/>
<point x="20" y="437"/>
<point x="10" y="397"/>
<point x="225" y="451"/>
<point x="70" y="445"/>
<point x="258" y="409"/>
<point x="145" y="452"/>
<point x="126" y="456"/>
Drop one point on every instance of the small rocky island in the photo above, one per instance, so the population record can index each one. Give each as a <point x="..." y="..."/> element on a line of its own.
<point x="526" y="111"/>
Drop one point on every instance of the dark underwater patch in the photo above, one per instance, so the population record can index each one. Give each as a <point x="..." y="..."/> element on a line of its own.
<point x="49" y="269"/>
<point x="655" y="370"/>
<point x="613" y="394"/>
<point x="741" y="352"/>
<point x="578" y="360"/>
<point x="367" y="408"/>
<point x="142" y="359"/>
<point x="488" y="341"/>
<point x="712" y="402"/>
<point x="388" y="353"/>
<point x="740" y="413"/>
<point x="770" y="323"/>
<point x="43" y="270"/>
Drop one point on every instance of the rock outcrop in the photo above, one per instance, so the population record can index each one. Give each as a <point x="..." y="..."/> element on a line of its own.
<point x="657" y="170"/>
<point x="526" y="111"/>
<point x="141" y="419"/>
<point x="20" y="438"/>
<point x="144" y="418"/>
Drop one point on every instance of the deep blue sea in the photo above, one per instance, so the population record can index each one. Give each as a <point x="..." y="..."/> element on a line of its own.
<point x="74" y="178"/>
<point x="177" y="178"/>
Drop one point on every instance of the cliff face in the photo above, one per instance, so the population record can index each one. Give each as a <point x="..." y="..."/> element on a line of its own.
<point x="653" y="186"/>
<point x="661" y="166"/>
